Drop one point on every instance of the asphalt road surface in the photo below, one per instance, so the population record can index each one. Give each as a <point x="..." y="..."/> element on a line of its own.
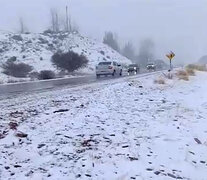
<point x="38" y="86"/>
<point x="17" y="88"/>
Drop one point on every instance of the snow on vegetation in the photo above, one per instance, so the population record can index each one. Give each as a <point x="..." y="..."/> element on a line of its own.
<point x="190" y="70"/>
<point x="36" y="50"/>
<point x="180" y="73"/>
<point x="128" y="129"/>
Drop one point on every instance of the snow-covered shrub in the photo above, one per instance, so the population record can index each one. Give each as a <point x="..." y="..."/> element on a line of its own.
<point x="12" y="59"/>
<point x="69" y="61"/>
<point x="102" y="52"/>
<point x="17" y="37"/>
<point x="42" y="41"/>
<point x="20" y="70"/>
<point x="46" y="74"/>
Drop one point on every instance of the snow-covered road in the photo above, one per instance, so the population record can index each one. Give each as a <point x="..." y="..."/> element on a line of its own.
<point x="11" y="89"/>
<point x="128" y="129"/>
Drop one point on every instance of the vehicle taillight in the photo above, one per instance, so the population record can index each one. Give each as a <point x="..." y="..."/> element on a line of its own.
<point x="110" y="67"/>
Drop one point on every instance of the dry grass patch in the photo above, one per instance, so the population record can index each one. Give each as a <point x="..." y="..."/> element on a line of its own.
<point x="182" y="75"/>
<point x="185" y="78"/>
<point x="159" y="81"/>
<point x="197" y="67"/>
<point x="191" y="72"/>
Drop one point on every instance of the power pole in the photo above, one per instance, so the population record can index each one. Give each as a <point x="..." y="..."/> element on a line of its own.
<point x="22" y="29"/>
<point x="70" y="26"/>
<point x="67" y="20"/>
<point x="57" y="22"/>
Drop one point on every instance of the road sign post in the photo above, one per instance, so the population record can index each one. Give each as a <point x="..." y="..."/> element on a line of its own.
<point x="170" y="56"/>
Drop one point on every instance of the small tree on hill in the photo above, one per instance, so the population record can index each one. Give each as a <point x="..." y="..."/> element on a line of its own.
<point x="55" y="20"/>
<point x="22" y="26"/>
<point x="146" y="52"/>
<point x="128" y="51"/>
<point x="69" y="61"/>
<point x="111" y="41"/>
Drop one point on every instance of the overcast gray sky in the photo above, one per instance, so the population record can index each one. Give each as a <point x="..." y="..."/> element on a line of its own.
<point x="178" y="25"/>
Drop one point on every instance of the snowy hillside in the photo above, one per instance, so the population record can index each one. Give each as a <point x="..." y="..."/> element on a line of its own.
<point x="37" y="49"/>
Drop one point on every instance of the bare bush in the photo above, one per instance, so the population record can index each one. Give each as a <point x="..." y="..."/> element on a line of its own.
<point x="20" y="70"/>
<point x="182" y="75"/>
<point x="46" y="74"/>
<point x="69" y="61"/>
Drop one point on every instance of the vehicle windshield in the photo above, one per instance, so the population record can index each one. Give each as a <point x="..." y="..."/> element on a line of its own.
<point x="104" y="63"/>
<point x="133" y="65"/>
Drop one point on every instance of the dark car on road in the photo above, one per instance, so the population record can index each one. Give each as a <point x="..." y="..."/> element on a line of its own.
<point x="133" y="68"/>
<point x="151" y="67"/>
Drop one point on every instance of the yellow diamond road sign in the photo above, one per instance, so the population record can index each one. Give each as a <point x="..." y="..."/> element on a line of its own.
<point x="171" y="55"/>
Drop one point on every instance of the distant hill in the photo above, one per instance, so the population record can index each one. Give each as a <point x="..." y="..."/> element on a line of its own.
<point x="203" y="59"/>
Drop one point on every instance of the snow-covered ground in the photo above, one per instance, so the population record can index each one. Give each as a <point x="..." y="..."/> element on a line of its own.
<point x="126" y="129"/>
<point x="37" y="50"/>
